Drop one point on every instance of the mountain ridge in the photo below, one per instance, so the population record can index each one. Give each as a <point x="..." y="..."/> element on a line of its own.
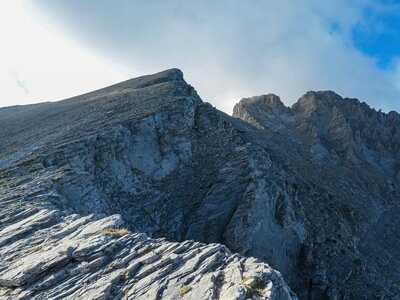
<point x="284" y="188"/>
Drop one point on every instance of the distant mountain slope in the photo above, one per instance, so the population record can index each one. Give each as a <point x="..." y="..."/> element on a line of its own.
<point x="299" y="188"/>
<point x="344" y="163"/>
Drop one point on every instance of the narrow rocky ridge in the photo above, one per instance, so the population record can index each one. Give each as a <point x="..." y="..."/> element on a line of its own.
<point x="67" y="167"/>
<point x="310" y="190"/>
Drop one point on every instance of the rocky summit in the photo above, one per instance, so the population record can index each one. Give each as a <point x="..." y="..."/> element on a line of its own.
<point x="142" y="191"/>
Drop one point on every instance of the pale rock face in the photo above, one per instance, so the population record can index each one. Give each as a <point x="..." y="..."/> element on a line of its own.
<point x="93" y="258"/>
<point x="311" y="190"/>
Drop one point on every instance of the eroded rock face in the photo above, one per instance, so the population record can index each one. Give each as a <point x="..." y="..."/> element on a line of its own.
<point x="284" y="189"/>
<point x="341" y="160"/>
<point x="147" y="155"/>
<point x="49" y="255"/>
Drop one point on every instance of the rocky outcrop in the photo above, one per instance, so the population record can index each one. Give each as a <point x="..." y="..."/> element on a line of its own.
<point x="83" y="180"/>
<point x="48" y="255"/>
<point x="292" y="189"/>
<point x="341" y="159"/>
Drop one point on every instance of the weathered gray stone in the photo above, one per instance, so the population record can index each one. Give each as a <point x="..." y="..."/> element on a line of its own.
<point x="118" y="150"/>
<point x="339" y="160"/>
<point x="151" y="270"/>
<point x="310" y="189"/>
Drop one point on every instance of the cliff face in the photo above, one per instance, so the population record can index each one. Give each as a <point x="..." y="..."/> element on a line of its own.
<point x="311" y="190"/>
<point x="145" y="155"/>
<point x="343" y="159"/>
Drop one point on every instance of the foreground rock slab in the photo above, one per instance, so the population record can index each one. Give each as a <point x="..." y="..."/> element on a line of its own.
<point x="48" y="255"/>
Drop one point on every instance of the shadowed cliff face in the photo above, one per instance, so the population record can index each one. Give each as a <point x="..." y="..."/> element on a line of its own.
<point x="343" y="158"/>
<point x="310" y="189"/>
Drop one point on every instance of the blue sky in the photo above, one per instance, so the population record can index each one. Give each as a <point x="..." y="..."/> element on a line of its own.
<point x="228" y="49"/>
<point x="377" y="33"/>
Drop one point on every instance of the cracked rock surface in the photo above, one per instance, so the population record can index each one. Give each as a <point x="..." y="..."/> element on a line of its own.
<point x="75" y="175"/>
<point x="112" y="194"/>
<point x="341" y="163"/>
<point x="49" y="255"/>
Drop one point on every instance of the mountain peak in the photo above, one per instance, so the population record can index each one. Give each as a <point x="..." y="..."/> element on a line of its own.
<point x="161" y="77"/>
<point x="321" y="99"/>
<point x="269" y="103"/>
<point x="265" y="102"/>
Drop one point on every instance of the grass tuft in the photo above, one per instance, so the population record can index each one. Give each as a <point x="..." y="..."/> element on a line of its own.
<point x="26" y="161"/>
<point x="115" y="232"/>
<point x="256" y="289"/>
<point x="184" y="290"/>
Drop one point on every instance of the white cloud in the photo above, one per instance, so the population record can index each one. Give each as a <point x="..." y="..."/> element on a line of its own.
<point x="37" y="65"/>
<point x="231" y="49"/>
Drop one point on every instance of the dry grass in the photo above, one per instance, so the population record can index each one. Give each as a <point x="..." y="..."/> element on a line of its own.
<point x="126" y="291"/>
<point x="26" y="161"/>
<point x="13" y="261"/>
<point x="257" y="289"/>
<point x="184" y="290"/>
<point x="39" y="248"/>
<point x="115" y="232"/>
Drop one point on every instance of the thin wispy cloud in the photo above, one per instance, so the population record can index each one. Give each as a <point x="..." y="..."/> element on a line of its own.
<point x="232" y="49"/>
<point x="20" y="82"/>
